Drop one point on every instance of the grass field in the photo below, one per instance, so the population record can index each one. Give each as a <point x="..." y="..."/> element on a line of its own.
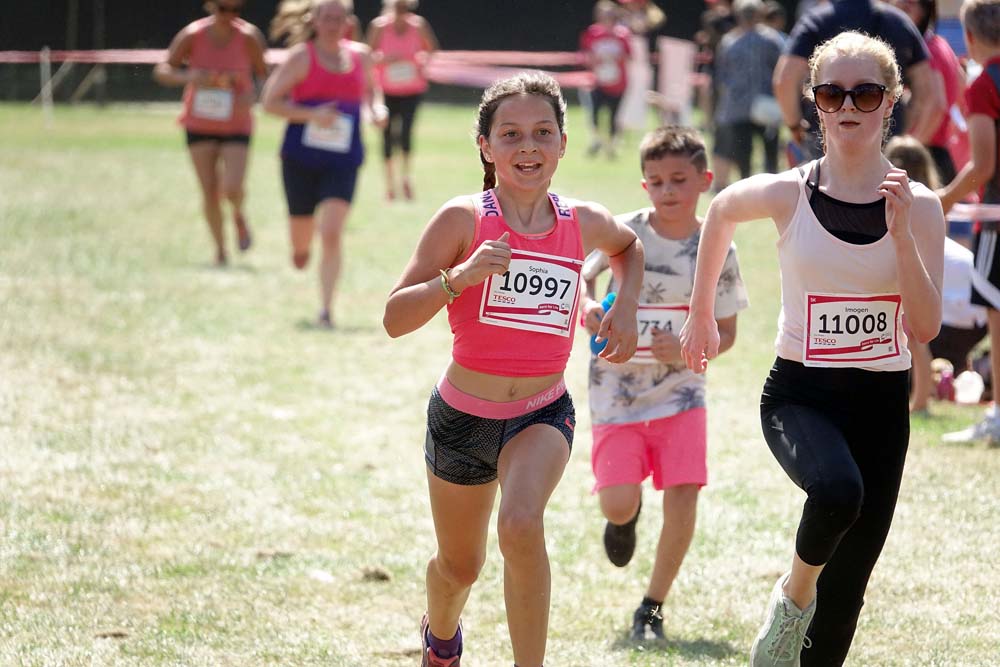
<point x="192" y="474"/>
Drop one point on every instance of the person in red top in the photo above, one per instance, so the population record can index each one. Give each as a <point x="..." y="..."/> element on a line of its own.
<point x="506" y="262"/>
<point x="401" y="44"/>
<point x="982" y="37"/>
<point x="216" y="59"/>
<point x="605" y="48"/>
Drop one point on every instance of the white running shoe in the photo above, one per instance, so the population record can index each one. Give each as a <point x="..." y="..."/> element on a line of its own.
<point x="783" y="635"/>
<point x="988" y="429"/>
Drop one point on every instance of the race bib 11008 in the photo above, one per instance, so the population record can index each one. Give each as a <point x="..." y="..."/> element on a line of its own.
<point x="851" y="329"/>
<point x="538" y="292"/>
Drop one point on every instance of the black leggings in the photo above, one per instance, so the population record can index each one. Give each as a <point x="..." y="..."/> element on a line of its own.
<point x="399" y="129"/>
<point x="599" y="99"/>
<point x="841" y="435"/>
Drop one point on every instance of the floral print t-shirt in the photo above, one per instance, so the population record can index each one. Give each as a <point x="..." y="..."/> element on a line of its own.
<point x="634" y="391"/>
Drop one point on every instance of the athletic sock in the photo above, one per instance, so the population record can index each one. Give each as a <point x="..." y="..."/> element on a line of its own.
<point x="650" y="602"/>
<point x="445" y="648"/>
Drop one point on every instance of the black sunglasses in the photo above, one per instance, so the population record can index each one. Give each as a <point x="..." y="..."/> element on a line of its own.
<point x="867" y="97"/>
<point x="222" y="9"/>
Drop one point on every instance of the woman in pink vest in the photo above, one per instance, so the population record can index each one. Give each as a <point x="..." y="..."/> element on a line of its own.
<point x="859" y="246"/>
<point x="401" y="44"/>
<point x="322" y="89"/>
<point x="216" y="59"/>
<point x="506" y="263"/>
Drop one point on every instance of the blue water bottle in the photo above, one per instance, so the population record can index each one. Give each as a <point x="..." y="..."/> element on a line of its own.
<point x="598" y="346"/>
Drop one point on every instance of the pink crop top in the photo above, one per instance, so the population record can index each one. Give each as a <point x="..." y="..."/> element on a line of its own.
<point x="323" y="85"/>
<point x="521" y="323"/>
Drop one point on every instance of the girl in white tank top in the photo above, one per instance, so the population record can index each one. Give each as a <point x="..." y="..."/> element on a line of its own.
<point x="834" y="410"/>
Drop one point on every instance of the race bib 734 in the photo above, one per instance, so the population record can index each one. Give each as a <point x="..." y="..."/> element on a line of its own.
<point x="665" y="317"/>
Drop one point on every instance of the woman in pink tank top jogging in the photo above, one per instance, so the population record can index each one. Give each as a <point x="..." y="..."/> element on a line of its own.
<point x="401" y="44"/>
<point x="324" y="89"/>
<point x="506" y="264"/>
<point x="859" y="247"/>
<point x="216" y="59"/>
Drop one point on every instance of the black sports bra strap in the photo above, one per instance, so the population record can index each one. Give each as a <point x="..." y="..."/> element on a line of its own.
<point x="812" y="183"/>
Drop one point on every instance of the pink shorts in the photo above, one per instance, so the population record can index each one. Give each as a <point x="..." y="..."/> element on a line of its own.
<point x="673" y="449"/>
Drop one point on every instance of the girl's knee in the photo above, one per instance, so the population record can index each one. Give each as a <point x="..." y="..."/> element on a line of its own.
<point x="460" y="571"/>
<point x="521" y="533"/>
<point x="232" y="192"/>
<point x="838" y="501"/>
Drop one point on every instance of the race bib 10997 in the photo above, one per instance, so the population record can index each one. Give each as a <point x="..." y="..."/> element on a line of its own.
<point x="538" y="292"/>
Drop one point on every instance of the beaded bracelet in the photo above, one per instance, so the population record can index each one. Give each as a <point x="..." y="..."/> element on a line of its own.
<point x="452" y="294"/>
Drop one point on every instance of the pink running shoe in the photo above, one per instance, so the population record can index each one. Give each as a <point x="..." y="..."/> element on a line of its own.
<point x="428" y="657"/>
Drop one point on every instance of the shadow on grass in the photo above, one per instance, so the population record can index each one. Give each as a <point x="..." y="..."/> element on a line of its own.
<point x="690" y="648"/>
<point x="231" y="267"/>
<point x="304" y="324"/>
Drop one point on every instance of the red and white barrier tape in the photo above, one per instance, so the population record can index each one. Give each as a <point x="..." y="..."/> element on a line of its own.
<point x="462" y="68"/>
<point x="978" y="212"/>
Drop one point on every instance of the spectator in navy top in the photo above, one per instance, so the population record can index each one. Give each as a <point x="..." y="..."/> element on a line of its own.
<point x="875" y="18"/>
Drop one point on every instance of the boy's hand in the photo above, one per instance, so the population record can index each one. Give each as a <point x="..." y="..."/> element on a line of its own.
<point x="620" y="326"/>
<point x="666" y="347"/>
<point x="591" y="314"/>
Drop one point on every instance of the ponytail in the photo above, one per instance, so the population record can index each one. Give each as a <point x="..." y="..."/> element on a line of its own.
<point x="489" y="173"/>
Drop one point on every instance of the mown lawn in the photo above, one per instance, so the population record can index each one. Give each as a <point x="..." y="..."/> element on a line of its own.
<point x="192" y="474"/>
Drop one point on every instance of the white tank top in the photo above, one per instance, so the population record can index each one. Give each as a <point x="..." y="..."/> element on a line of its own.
<point x="840" y="303"/>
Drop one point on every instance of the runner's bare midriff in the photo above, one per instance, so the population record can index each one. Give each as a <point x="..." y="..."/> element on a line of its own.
<point x="498" y="388"/>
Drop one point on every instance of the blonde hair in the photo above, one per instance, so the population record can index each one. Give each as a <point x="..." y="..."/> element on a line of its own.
<point x="911" y="156"/>
<point x="982" y="19"/>
<point x="857" y="44"/>
<point x="292" y="23"/>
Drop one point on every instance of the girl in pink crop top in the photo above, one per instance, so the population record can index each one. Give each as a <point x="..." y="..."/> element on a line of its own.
<point x="216" y="59"/>
<point x="506" y="261"/>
